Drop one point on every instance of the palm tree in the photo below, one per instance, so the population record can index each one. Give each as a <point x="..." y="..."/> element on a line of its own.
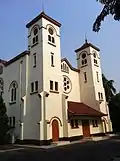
<point x="110" y="90"/>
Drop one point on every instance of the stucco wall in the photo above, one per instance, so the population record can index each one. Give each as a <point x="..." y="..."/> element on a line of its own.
<point x="74" y="94"/>
<point x="12" y="73"/>
<point x="75" y="131"/>
<point x="86" y="88"/>
<point x="95" y="130"/>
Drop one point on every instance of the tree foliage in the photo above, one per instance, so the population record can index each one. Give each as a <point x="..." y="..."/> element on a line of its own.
<point x="110" y="7"/>
<point x="110" y="90"/>
<point x="3" y="121"/>
<point x="113" y="100"/>
<point x="114" y="108"/>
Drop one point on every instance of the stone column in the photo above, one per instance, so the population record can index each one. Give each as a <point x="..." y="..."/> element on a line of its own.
<point x="21" y="130"/>
<point x="43" y="124"/>
<point x="65" y="115"/>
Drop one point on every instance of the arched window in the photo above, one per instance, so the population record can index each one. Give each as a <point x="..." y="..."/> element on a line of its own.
<point x="1" y="69"/>
<point x="49" y="38"/>
<point x="35" y="36"/>
<point x="51" y="35"/>
<point x="13" y="91"/>
<point x="84" y="59"/>
<point x="95" y="58"/>
<point x="64" y="68"/>
<point x="53" y="40"/>
<point x="61" y="66"/>
<point x="1" y="86"/>
<point x="67" y="70"/>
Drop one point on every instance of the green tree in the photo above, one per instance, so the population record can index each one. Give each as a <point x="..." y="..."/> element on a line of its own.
<point x="3" y="121"/>
<point x="110" y="90"/>
<point x="110" y="7"/>
<point x="114" y="108"/>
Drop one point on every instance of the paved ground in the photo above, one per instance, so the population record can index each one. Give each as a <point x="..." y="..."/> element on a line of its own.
<point x="106" y="150"/>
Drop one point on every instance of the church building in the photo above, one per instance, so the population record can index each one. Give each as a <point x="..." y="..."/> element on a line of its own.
<point x="49" y="100"/>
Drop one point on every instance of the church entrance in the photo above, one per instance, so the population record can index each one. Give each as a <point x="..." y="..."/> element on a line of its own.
<point x="86" y="128"/>
<point x="55" y="130"/>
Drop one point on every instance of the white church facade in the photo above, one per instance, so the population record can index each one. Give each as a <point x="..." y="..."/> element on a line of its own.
<point x="47" y="99"/>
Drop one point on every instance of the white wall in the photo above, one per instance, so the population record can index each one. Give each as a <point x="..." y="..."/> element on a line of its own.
<point x="12" y="73"/>
<point x="53" y="103"/>
<point x="74" y="95"/>
<point x="75" y="131"/>
<point x="87" y="88"/>
<point x="95" y="130"/>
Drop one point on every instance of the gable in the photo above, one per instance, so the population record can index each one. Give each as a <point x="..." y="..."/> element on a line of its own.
<point x="65" y="63"/>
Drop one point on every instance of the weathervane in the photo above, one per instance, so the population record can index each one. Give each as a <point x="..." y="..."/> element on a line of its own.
<point x="42" y="7"/>
<point x="85" y="38"/>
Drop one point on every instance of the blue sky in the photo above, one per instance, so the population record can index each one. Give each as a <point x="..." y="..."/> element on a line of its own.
<point x="77" y="18"/>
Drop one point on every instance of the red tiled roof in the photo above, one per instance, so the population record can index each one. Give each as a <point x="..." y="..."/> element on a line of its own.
<point x="76" y="108"/>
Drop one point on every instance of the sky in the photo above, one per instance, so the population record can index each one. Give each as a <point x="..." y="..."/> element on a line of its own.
<point x="76" y="17"/>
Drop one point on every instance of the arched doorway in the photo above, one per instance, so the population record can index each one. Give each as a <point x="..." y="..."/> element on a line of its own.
<point x="55" y="130"/>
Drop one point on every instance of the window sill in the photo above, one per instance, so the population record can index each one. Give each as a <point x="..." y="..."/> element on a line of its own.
<point x="52" y="44"/>
<point x="34" y="45"/>
<point x="74" y="127"/>
<point x="54" y="91"/>
<point x="84" y="66"/>
<point x="12" y="103"/>
<point x="101" y="100"/>
<point x="96" y="65"/>
<point x="33" y="92"/>
<point x="64" y="71"/>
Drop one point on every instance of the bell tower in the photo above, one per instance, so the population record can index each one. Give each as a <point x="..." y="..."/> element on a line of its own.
<point x="44" y="74"/>
<point x="91" y="85"/>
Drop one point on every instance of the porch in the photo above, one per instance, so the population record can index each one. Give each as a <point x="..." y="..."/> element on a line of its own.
<point x="85" y="121"/>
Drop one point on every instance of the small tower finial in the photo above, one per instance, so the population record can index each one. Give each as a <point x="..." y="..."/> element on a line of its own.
<point x="42" y="7"/>
<point x="86" y="39"/>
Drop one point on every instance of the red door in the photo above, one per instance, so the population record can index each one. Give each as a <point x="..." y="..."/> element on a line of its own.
<point x="55" y="130"/>
<point x="86" y="128"/>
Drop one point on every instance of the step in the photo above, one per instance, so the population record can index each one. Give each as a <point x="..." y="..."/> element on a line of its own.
<point x="57" y="143"/>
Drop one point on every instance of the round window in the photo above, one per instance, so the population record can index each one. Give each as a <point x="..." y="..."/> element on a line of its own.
<point x="50" y="31"/>
<point x="84" y="55"/>
<point x="35" y="31"/>
<point x="67" y="85"/>
<point x="1" y="69"/>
